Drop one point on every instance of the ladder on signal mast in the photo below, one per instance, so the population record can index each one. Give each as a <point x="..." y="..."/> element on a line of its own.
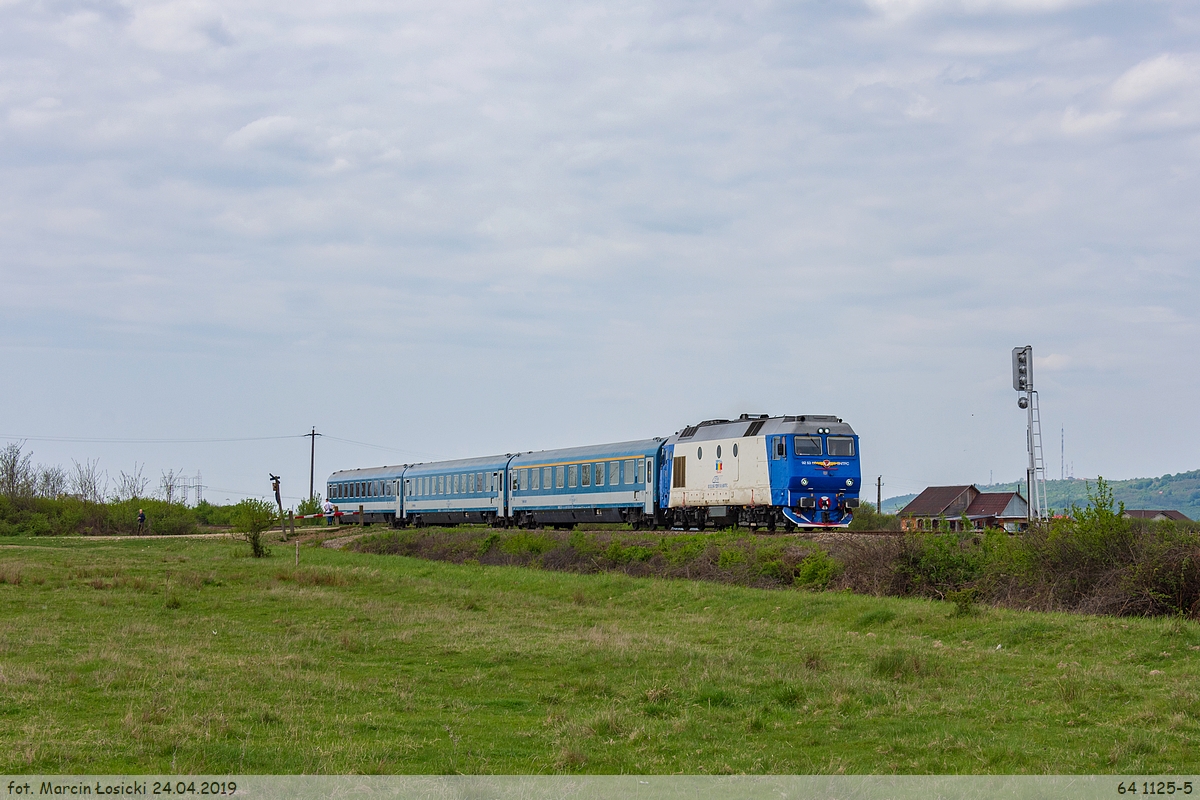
<point x="1037" y="477"/>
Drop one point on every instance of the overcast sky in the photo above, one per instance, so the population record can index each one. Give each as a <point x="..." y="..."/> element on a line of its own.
<point x="456" y="229"/>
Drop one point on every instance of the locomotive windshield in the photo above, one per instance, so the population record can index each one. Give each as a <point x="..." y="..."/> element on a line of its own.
<point x="808" y="445"/>
<point x="841" y="446"/>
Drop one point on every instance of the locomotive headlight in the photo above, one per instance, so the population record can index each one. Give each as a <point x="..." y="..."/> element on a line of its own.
<point x="804" y="481"/>
<point x="849" y="481"/>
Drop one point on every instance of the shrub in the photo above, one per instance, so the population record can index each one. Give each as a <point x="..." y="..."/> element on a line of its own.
<point x="817" y="570"/>
<point x="252" y="517"/>
<point x="933" y="564"/>
<point x="731" y="557"/>
<point x="309" y="505"/>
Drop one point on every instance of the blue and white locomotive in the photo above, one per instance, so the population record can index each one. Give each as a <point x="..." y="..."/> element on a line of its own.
<point x="756" y="471"/>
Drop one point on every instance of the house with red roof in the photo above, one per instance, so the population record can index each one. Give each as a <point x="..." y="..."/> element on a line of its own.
<point x="958" y="508"/>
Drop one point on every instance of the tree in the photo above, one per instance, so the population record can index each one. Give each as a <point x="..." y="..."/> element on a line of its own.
<point x="17" y="476"/>
<point x="252" y="517"/>
<point x="51" y="482"/>
<point x="172" y="486"/>
<point x="131" y="486"/>
<point x="88" y="482"/>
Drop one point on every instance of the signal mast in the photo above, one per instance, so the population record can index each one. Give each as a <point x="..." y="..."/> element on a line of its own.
<point x="1035" y="474"/>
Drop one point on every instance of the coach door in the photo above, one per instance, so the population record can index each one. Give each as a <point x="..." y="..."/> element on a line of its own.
<point x="498" y="482"/>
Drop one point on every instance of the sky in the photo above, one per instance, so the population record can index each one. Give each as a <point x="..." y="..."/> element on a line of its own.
<point x="449" y="229"/>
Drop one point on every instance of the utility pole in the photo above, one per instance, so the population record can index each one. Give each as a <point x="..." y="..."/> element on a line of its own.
<point x="312" y="460"/>
<point x="879" y="495"/>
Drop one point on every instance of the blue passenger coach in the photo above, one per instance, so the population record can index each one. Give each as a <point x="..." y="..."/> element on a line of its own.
<point x="453" y="492"/>
<point x="756" y="471"/>
<point x="375" y="489"/>
<point x="601" y="483"/>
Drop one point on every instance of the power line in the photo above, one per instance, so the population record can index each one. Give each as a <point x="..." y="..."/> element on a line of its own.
<point x="113" y="440"/>
<point x="215" y="440"/>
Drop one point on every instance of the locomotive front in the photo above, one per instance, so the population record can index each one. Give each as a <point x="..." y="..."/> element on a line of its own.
<point x="815" y="472"/>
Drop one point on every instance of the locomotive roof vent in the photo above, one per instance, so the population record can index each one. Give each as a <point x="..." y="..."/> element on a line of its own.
<point x="754" y="416"/>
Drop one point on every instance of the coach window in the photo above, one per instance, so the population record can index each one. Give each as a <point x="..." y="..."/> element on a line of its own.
<point x="642" y="469"/>
<point x="524" y="480"/>
<point x="841" y="446"/>
<point x="586" y="478"/>
<point x="535" y="478"/>
<point x="560" y="474"/>
<point x="614" y="473"/>
<point x="629" y="471"/>
<point x="572" y="476"/>
<point x="600" y="474"/>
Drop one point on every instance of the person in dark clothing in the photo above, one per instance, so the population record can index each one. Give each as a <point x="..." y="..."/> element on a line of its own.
<point x="141" y="521"/>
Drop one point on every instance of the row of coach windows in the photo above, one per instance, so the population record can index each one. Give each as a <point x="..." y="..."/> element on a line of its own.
<point x="459" y="483"/>
<point x="576" y="476"/>
<point x="341" y="491"/>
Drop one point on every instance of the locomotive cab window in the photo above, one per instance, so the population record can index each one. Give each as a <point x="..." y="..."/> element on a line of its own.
<point x="808" y="445"/>
<point x="841" y="446"/>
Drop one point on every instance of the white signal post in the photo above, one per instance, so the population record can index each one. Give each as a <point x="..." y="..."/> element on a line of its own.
<point x="1035" y="474"/>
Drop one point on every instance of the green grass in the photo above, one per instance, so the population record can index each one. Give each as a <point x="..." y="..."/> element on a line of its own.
<point x="183" y="655"/>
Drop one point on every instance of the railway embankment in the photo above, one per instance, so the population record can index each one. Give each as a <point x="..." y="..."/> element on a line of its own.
<point x="1095" y="562"/>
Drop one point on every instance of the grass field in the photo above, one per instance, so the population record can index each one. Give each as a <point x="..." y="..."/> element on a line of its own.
<point x="184" y="655"/>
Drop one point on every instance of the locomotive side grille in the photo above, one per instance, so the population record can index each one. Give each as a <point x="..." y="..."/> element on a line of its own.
<point x="754" y="427"/>
<point x="679" y="472"/>
<point x="689" y="431"/>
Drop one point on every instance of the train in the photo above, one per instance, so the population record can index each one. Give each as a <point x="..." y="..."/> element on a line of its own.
<point x="757" y="471"/>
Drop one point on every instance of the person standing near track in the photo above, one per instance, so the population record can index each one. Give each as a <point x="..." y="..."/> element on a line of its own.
<point x="141" y="521"/>
<point x="328" y="509"/>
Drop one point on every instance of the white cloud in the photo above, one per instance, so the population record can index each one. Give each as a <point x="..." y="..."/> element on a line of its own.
<point x="909" y="8"/>
<point x="265" y="132"/>
<point x="1155" y="77"/>
<point x="1076" y="123"/>
<point x="179" y="26"/>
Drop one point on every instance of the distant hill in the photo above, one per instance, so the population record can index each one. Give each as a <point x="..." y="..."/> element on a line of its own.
<point x="1180" y="492"/>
